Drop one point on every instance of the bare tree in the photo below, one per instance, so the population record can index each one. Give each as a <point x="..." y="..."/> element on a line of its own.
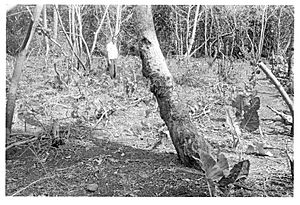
<point x="188" y="26"/>
<point x="18" y="67"/>
<point x="55" y="23"/>
<point x="46" y="27"/>
<point x="205" y="31"/>
<point x="118" y="20"/>
<point x="262" y="33"/>
<point x="68" y="37"/>
<point x="98" y="30"/>
<point x="82" y="40"/>
<point x="192" y="39"/>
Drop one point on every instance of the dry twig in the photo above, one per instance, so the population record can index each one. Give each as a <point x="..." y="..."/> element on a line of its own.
<point x="32" y="183"/>
<point x="20" y="143"/>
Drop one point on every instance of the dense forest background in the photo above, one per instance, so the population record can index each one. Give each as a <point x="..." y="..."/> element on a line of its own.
<point x="235" y="30"/>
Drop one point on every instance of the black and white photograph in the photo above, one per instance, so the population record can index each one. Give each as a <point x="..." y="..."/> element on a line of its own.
<point x="149" y="100"/>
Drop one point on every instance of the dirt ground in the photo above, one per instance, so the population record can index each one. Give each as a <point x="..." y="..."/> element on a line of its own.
<point x="114" y="143"/>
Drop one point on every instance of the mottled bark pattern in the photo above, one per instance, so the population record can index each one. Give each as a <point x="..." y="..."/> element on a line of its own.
<point x="18" y="67"/>
<point x="188" y="142"/>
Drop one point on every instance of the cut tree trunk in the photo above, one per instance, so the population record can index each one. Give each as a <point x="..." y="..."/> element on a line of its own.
<point x="18" y="67"/>
<point x="188" y="142"/>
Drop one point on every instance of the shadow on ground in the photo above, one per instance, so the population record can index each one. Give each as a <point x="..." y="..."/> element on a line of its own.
<point x="111" y="169"/>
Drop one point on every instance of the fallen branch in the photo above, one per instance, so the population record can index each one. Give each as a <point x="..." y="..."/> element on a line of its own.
<point x="22" y="134"/>
<point x="279" y="87"/>
<point x="20" y="143"/>
<point x="32" y="183"/>
<point x="287" y="119"/>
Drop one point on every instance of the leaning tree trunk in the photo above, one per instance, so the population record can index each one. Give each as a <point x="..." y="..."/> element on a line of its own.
<point x="192" y="39"/>
<point x="189" y="143"/>
<point x="21" y="58"/>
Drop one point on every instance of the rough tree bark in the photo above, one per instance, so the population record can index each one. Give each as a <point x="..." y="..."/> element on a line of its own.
<point x="21" y="58"/>
<point x="189" y="143"/>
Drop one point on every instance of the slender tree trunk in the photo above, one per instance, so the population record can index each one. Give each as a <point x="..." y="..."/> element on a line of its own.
<point x="279" y="31"/>
<point x="262" y="34"/>
<point x="78" y="36"/>
<point x="181" y="36"/>
<point x="73" y="32"/>
<point x="118" y="20"/>
<point x="192" y="39"/>
<point x="68" y="37"/>
<point x="234" y="30"/>
<point x="189" y="143"/>
<point x="18" y="67"/>
<point x="211" y="30"/>
<point x="70" y="22"/>
<point x="188" y="27"/>
<point x="55" y="23"/>
<point x="205" y="32"/>
<point x="176" y="33"/>
<point x="108" y="23"/>
<point x="46" y="26"/>
<point x="98" y="30"/>
<point x="82" y="40"/>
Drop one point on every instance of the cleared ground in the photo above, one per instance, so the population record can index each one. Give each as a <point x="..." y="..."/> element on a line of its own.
<point x="114" y="142"/>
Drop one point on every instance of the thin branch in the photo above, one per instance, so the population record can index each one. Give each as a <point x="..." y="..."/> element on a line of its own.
<point x="20" y="143"/>
<point x="68" y="39"/>
<point x="32" y="183"/>
<point x="287" y="119"/>
<point x="98" y="30"/>
<point x="279" y="87"/>
<point x="77" y="10"/>
<point x="199" y="47"/>
<point x="56" y="43"/>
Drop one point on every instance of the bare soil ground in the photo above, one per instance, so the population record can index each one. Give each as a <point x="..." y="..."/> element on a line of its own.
<point x="113" y="143"/>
